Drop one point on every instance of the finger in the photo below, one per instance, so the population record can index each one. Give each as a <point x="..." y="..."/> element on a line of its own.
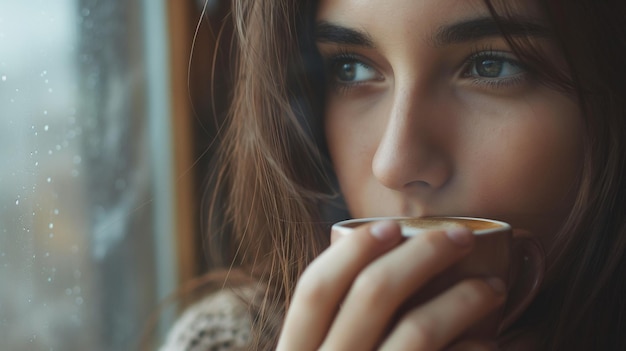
<point x="387" y="283"/>
<point x="325" y="282"/>
<point x="437" y="323"/>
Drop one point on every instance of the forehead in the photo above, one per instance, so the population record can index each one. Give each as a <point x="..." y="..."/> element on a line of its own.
<point x="411" y="11"/>
<point x="417" y="12"/>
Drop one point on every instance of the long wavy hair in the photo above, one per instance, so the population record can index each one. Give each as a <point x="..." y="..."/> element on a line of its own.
<point x="273" y="180"/>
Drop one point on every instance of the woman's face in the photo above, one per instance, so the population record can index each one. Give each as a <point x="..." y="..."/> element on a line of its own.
<point x="430" y="113"/>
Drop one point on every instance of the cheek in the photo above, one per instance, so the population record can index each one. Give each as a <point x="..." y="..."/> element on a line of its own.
<point x="530" y="166"/>
<point x="353" y="131"/>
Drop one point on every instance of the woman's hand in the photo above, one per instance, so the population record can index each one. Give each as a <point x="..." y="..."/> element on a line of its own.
<point x="348" y="297"/>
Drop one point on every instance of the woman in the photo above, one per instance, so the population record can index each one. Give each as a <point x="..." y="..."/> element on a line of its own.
<point x="512" y="110"/>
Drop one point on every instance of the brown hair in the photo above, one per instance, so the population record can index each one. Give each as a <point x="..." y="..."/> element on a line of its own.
<point x="266" y="215"/>
<point x="583" y="304"/>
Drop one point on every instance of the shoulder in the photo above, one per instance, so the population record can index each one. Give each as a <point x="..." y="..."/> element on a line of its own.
<point x="218" y="322"/>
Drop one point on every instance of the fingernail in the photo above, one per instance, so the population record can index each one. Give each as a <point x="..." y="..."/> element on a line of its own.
<point x="460" y="236"/>
<point x="497" y="285"/>
<point x="384" y="230"/>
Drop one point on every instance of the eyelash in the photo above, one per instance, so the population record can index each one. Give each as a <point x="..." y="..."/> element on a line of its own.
<point x="343" y="56"/>
<point x="494" y="83"/>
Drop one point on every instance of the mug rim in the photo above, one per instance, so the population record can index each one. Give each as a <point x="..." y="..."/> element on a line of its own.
<point x="341" y="226"/>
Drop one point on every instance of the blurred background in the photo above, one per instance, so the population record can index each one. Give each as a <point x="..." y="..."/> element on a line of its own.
<point x="107" y="116"/>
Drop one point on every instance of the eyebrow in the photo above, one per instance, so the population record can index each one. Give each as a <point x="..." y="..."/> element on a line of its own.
<point x="326" y="32"/>
<point x="470" y="30"/>
<point x="485" y="27"/>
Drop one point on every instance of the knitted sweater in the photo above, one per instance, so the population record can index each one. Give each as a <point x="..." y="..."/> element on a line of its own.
<point x="219" y="322"/>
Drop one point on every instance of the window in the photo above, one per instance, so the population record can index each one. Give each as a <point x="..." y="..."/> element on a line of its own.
<point x="88" y="182"/>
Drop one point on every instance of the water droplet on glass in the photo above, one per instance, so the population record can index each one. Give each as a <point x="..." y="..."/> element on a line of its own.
<point x="51" y="225"/>
<point x="56" y="211"/>
<point x="17" y="202"/>
<point x="68" y="291"/>
<point x="4" y="78"/>
<point x="46" y="127"/>
<point x="49" y="180"/>
<point x="79" y="300"/>
<point x="51" y="235"/>
<point x="45" y="112"/>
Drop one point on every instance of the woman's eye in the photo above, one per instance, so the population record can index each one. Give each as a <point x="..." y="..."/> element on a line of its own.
<point x="494" y="67"/>
<point x="352" y="71"/>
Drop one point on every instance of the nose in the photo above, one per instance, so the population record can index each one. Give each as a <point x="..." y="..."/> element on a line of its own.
<point x="413" y="154"/>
